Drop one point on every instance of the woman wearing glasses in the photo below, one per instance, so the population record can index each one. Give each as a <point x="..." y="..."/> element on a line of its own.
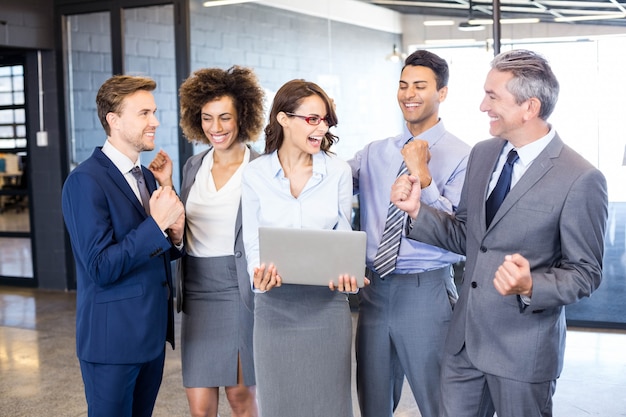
<point x="224" y="110"/>
<point x="302" y="334"/>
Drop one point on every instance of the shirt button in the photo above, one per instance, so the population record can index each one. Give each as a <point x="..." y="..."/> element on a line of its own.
<point x="483" y="249"/>
<point x="474" y="284"/>
<point x="238" y="254"/>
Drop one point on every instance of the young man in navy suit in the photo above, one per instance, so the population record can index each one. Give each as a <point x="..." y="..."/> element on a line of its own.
<point x="122" y="248"/>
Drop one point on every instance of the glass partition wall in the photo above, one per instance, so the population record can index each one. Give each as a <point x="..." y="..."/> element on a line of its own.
<point x="588" y="117"/>
<point x="88" y="63"/>
<point x="346" y="60"/>
<point x="148" y="40"/>
<point x="349" y="62"/>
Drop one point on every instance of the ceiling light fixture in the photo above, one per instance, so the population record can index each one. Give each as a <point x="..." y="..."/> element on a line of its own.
<point x="212" y="3"/>
<point x="504" y="21"/>
<point x="446" y="42"/>
<point x="438" y="22"/>
<point x="395" y="55"/>
<point x="467" y="26"/>
<point x="590" y="17"/>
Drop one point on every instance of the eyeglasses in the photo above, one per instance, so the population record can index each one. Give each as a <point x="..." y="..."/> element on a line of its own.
<point x="312" y="120"/>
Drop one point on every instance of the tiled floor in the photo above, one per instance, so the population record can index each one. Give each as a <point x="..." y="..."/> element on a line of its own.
<point x="40" y="377"/>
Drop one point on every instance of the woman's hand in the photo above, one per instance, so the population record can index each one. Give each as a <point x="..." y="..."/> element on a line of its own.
<point x="162" y="168"/>
<point x="266" y="278"/>
<point x="346" y="283"/>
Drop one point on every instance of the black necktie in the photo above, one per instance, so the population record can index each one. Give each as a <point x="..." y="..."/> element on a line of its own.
<point x="502" y="187"/>
<point x="143" y="190"/>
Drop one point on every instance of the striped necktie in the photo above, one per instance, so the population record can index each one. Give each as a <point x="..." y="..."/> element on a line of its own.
<point x="387" y="255"/>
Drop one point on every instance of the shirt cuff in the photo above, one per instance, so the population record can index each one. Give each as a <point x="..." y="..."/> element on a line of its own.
<point x="430" y="194"/>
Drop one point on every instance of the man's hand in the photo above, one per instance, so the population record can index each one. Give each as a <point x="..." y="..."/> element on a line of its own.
<point x="176" y="230"/>
<point x="166" y="208"/>
<point x="406" y="193"/>
<point x="513" y="276"/>
<point x="416" y="157"/>
<point x="162" y="168"/>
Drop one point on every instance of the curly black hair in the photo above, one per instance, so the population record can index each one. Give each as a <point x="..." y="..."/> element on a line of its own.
<point x="209" y="84"/>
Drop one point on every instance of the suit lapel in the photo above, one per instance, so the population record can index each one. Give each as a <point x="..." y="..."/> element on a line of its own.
<point x="122" y="184"/>
<point x="484" y="171"/>
<point x="150" y="181"/>
<point x="118" y="179"/>
<point x="190" y="176"/>
<point x="540" y="167"/>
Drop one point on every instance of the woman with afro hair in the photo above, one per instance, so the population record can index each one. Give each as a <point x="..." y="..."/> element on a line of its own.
<point x="223" y="109"/>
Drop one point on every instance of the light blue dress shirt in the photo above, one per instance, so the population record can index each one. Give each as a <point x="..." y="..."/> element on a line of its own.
<point x="374" y="170"/>
<point x="266" y="200"/>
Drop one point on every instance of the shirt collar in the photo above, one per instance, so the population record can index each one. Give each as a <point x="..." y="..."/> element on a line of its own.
<point x="431" y="135"/>
<point x="319" y="164"/>
<point x="528" y="153"/>
<point x="121" y="161"/>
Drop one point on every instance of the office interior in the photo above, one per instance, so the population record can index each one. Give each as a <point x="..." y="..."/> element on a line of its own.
<point x="55" y="54"/>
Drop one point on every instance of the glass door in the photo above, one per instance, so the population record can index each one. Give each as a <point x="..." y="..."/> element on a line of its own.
<point x="15" y="237"/>
<point x="88" y="64"/>
<point x="147" y="49"/>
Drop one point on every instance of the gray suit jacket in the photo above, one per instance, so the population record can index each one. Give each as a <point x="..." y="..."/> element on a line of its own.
<point x="555" y="216"/>
<point x="190" y="169"/>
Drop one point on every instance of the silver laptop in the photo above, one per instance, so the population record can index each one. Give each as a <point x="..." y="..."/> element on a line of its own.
<point x="313" y="256"/>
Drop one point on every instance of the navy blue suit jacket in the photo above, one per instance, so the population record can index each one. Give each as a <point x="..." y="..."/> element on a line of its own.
<point x="124" y="299"/>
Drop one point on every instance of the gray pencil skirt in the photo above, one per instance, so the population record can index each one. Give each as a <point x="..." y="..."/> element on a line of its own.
<point x="302" y="342"/>
<point x="216" y="325"/>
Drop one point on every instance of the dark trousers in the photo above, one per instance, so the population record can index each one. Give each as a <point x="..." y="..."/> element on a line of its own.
<point x="126" y="390"/>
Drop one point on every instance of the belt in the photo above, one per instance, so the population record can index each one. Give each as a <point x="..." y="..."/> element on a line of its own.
<point x="445" y="272"/>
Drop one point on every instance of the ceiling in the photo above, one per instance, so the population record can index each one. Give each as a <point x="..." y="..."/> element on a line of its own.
<point x="596" y="12"/>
